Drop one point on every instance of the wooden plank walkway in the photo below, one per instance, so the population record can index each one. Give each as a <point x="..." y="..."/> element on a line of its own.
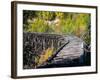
<point x="73" y="49"/>
<point x="69" y="50"/>
<point x="66" y="56"/>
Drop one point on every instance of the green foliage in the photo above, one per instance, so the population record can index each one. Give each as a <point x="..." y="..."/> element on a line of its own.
<point x="27" y="14"/>
<point x="45" y="15"/>
<point x="59" y="15"/>
<point x="37" y="26"/>
<point x="68" y="23"/>
<point x="67" y="26"/>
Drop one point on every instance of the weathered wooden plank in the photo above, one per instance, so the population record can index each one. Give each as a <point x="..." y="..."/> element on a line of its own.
<point x="73" y="50"/>
<point x="35" y="43"/>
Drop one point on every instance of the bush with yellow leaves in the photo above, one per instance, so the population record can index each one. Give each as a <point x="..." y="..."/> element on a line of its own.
<point x="44" y="56"/>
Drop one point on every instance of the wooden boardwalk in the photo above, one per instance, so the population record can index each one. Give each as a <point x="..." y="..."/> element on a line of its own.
<point x="74" y="50"/>
<point x="69" y="50"/>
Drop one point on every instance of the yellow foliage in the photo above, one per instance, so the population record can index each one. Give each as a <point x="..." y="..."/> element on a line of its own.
<point x="45" y="55"/>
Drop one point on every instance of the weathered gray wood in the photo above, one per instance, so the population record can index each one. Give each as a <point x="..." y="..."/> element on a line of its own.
<point x="73" y="50"/>
<point x="35" y="43"/>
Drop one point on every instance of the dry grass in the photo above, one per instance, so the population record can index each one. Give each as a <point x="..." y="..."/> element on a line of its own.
<point x="44" y="57"/>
